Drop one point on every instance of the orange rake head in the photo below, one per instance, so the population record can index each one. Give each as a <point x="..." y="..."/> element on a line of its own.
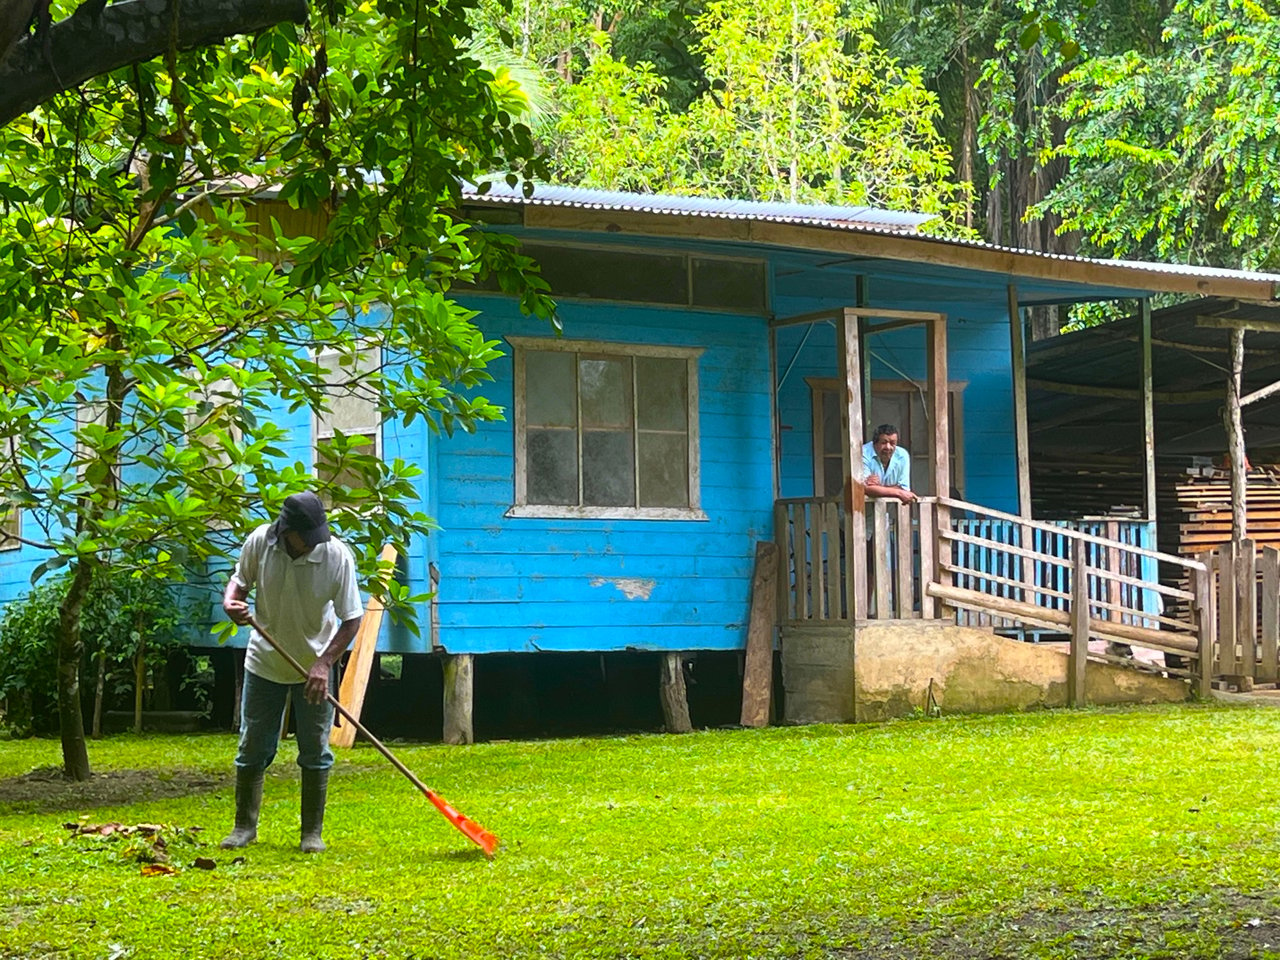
<point x="484" y="839"/>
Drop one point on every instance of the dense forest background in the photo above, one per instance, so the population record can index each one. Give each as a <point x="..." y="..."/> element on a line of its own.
<point x="1126" y="128"/>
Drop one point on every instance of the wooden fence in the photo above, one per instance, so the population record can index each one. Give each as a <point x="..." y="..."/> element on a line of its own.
<point x="1246" y="596"/>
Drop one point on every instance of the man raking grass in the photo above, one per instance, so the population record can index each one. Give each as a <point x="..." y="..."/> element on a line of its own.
<point x="308" y="611"/>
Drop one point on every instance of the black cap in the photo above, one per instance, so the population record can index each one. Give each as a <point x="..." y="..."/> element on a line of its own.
<point x="303" y="513"/>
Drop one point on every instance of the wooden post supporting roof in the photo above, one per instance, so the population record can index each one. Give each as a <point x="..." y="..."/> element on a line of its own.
<point x="1148" y="417"/>
<point x="1017" y="346"/>
<point x="848" y="353"/>
<point x="939" y="413"/>
<point x="1235" y="439"/>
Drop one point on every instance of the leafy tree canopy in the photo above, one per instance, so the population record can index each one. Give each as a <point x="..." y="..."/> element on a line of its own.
<point x="194" y="241"/>
<point x="801" y="104"/>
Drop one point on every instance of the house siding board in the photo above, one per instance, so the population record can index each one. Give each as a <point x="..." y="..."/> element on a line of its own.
<point x="978" y="354"/>
<point x="512" y="584"/>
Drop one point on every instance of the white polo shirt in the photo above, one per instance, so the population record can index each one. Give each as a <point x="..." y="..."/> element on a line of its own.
<point x="299" y="602"/>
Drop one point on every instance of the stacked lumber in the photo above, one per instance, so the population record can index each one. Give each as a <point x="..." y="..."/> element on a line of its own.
<point x="1198" y="509"/>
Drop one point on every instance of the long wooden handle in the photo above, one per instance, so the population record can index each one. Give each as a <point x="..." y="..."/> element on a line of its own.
<point x="395" y="761"/>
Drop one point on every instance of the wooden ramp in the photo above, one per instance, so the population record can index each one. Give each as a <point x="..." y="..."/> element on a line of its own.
<point x="355" y="678"/>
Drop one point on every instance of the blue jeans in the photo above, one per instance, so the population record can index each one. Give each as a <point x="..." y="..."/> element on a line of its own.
<point x="261" y="715"/>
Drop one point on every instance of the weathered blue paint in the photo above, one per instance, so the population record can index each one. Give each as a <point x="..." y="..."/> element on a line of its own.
<point x="523" y="584"/>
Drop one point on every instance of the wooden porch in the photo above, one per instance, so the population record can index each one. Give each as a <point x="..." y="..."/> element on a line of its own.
<point x="947" y="559"/>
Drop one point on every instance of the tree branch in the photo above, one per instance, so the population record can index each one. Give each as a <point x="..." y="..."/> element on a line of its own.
<point x="90" y="43"/>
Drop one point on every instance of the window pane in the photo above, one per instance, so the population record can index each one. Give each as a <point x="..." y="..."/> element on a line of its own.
<point x="662" y="393"/>
<point x="729" y="284"/>
<point x="664" y="470"/>
<point x="605" y="383"/>
<point x="612" y="274"/>
<point x="831" y="427"/>
<point x="832" y="476"/>
<point x="550" y="393"/>
<point x="353" y="404"/>
<point x="552" y="467"/>
<point x="330" y="471"/>
<point x="608" y="470"/>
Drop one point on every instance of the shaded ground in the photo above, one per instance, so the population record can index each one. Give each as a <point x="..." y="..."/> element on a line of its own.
<point x="46" y="790"/>
<point x="1225" y="925"/>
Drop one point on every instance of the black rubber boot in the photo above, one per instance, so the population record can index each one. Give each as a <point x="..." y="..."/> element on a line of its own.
<point x="315" y="786"/>
<point x="248" y="803"/>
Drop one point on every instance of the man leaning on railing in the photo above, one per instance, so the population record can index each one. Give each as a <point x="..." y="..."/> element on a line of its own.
<point x="887" y="466"/>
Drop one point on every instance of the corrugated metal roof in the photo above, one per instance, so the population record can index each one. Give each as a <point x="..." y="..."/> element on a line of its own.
<point x="864" y="220"/>
<point x="815" y="214"/>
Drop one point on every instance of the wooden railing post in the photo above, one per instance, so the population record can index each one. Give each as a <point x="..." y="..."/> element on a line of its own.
<point x="1202" y="585"/>
<point x="1079" y="653"/>
<point x="1268" y="668"/>
<point x="904" y="592"/>
<point x="786" y="560"/>
<point x="928" y="558"/>
<point x="1246" y="577"/>
<point x="1228" y="663"/>
<point x="880" y="560"/>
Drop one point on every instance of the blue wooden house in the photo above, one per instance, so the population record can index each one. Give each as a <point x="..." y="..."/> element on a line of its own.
<point x="720" y="366"/>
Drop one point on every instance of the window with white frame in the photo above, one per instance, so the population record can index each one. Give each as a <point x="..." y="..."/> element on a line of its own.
<point x="353" y="412"/>
<point x="606" y="430"/>
<point x="10" y="515"/>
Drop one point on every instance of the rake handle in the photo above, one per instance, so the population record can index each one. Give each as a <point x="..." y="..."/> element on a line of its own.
<point x="438" y="801"/>
<point x="346" y="714"/>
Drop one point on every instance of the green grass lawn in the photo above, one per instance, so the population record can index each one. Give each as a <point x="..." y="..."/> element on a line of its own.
<point x="1134" y="833"/>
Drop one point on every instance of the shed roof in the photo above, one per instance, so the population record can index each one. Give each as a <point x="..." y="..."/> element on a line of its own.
<point x="1082" y="387"/>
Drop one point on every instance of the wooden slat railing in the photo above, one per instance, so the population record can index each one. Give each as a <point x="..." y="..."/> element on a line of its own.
<point x="1011" y="571"/>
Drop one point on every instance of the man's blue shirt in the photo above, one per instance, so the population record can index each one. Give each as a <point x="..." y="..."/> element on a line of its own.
<point x="898" y="473"/>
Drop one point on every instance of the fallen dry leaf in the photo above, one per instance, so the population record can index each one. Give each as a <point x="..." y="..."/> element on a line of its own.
<point x="157" y="870"/>
<point x="204" y="863"/>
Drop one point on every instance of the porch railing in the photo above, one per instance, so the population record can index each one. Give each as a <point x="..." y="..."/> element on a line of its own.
<point x="986" y="568"/>
<point x="1018" y="571"/>
<point x="820" y="584"/>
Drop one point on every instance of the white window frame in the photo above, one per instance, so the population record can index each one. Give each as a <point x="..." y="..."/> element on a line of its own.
<point x="10" y="516"/>
<point x="322" y="427"/>
<point x="522" y="507"/>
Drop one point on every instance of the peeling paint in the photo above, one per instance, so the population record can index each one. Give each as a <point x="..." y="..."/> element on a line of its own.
<point x="633" y="588"/>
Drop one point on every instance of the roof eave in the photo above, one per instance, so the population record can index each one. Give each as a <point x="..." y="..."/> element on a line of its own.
<point x="896" y="245"/>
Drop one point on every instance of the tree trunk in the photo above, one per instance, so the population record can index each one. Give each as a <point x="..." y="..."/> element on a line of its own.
<point x="75" y="753"/>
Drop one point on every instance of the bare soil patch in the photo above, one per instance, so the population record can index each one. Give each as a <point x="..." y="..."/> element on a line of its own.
<point x="47" y="790"/>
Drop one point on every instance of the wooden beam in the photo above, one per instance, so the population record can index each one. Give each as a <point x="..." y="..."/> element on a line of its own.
<point x="849" y="357"/>
<point x="1262" y="394"/>
<point x="775" y="415"/>
<point x="1078" y="657"/>
<point x="1148" y="417"/>
<point x="459" y="699"/>
<point x="939" y="408"/>
<point x="1202" y="581"/>
<point x="816" y="316"/>
<point x="1239" y="323"/>
<point x="1123" y="393"/>
<point x="892" y="325"/>
<point x="1021" y="434"/>
<point x="355" y="678"/>
<point x="757" y="672"/>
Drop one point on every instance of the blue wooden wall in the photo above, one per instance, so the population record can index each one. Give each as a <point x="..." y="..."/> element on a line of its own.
<point x="523" y="584"/>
